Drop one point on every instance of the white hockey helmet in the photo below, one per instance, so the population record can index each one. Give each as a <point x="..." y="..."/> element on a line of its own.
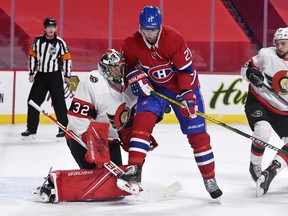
<point x="112" y="64"/>
<point x="280" y="34"/>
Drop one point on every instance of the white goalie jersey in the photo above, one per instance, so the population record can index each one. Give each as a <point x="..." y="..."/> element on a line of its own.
<point x="96" y="100"/>
<point x="273" y="69"/>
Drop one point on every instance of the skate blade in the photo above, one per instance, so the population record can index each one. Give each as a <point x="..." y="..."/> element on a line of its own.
<point x="41" y="198"/>
<point x="219" y="200"/>
<point x="133" y="189"/>
<point x="28" y="138"/>
<point x="259" y="189"/>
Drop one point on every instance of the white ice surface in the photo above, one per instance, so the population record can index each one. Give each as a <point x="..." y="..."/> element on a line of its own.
<point x="23" y="164"/>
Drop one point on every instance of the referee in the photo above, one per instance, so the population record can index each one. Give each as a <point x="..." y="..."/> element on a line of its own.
<point x="48" y="58"/>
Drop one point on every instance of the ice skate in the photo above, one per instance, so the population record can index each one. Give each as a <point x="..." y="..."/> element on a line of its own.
<point x="28" y="135"/>
<point x="213" y="189"/>
<point x="130" y="180"/>
<point x="263" y="182"/>
<point x="60" y="135"/>
<point x="255" y="171"/>
<point x="45" y="193"/>
<point x="133" y="174"/>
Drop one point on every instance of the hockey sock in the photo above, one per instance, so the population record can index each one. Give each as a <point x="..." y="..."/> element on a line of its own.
<point x="203" y="154"/>
<point x="144" y="123"/>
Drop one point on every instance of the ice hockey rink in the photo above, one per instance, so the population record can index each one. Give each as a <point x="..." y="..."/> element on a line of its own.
<point x="24" y="164"/>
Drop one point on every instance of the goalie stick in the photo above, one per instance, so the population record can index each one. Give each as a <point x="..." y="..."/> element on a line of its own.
<point x="133" y="189"/>
<point x="254" y="139"/>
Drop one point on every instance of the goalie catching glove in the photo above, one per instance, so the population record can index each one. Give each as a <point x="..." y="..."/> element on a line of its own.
<point x="255" y="77"/>
<point x="188" y="99"/>
<point x="139" y="82"/>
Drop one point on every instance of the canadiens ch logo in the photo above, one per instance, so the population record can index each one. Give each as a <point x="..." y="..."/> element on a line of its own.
<point x="257" y="114"/>
<point x="121" y="117"/>
<point x="161" y="73"/>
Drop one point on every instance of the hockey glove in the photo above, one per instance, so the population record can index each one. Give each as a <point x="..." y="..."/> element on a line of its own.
<point x="255" y="77"/>
<point x="139" y="82"/>
<point x="188" y="98"/>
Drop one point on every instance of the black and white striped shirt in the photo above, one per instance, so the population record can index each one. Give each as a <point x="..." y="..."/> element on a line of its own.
<point x="49" y="55"/>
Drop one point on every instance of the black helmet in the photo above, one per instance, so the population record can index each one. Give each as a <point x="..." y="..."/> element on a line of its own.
<point x="49" y="22"/>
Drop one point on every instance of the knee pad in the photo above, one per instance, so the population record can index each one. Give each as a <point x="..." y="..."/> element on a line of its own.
<point x="262" y="130"/>
<point x="199" y="142"/>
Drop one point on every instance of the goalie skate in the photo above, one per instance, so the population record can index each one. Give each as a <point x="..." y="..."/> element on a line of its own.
<point x="45" y="194"/>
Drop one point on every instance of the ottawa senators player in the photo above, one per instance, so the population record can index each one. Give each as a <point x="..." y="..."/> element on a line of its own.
<point x="100" y="99"/>
<point x="268" y="75"/>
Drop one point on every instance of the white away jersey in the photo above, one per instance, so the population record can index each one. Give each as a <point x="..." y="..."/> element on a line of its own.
<point x="268" y="62"/>
<point x="96" y="101"/>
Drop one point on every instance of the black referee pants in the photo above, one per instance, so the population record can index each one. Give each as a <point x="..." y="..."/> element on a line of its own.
<point x="44" y="82"/>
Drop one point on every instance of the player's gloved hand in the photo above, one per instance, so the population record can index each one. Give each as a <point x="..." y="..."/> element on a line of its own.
<point x="139" y="82"/>
<point x="188" y="98"/>
<point x="255" y="77"/>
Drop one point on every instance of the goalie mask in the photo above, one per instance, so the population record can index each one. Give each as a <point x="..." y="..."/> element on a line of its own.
<point x="112" y="65"/>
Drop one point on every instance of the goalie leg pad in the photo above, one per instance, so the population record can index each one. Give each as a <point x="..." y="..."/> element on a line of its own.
<point x="85" y="185"/>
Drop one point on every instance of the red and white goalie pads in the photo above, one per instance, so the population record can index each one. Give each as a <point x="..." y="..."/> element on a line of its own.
<point x="97" y="143"/>
<point x="85" y="185"/>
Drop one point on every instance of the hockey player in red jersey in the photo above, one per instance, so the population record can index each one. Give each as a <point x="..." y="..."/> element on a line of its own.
<point x="163" y="63"/>
<point x="268" y="75"/>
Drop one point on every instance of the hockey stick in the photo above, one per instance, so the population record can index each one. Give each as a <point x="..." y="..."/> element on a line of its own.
<point x="254" y="139"/>
<point x="275" y="94"/>
<point x="115" y="170"/>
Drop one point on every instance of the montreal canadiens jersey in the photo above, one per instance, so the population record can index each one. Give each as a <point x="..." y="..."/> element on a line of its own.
<point x="95" y="100"/>
<point x="169" y="55"/>
<point x="268" y="62"/>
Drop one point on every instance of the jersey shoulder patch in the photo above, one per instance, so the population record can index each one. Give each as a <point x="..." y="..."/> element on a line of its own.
<point x="95" y="77"/>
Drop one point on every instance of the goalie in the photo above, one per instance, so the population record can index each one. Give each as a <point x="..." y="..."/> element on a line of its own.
<point x="101" y="115"/>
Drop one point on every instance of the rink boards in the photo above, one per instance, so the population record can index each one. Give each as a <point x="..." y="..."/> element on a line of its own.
<point x="224" y="96"/>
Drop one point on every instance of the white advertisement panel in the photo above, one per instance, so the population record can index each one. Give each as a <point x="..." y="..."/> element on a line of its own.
<point x="6" y="92"/>
<point x="224" y="94"/>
